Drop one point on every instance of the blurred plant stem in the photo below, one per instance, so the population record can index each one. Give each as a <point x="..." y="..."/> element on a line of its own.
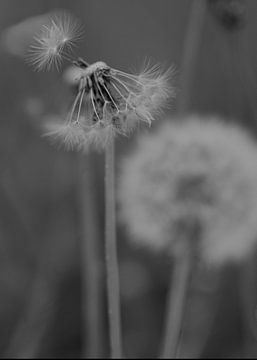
<point x="38" y="310"/>
<point x="91" y="265"/>
<point x="246" y="77"/>
<point x="40" y="298"/>
<point x="34" y="322"/>
<point x="244" y="69"/>
<point x="112" y="270"/>
<point x="248" y="298"/>
<point x="239" y="58"/>
<point x="201" y="312"/>
<point x="177" y="299"/>
<point x="190" y="52"/>
<point x="183" y="260"/>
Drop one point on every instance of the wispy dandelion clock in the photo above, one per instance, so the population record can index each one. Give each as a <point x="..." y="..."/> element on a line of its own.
<point x="111" y="102"/>
<point x="200" y="169"/>
<point x="54" y="41"/>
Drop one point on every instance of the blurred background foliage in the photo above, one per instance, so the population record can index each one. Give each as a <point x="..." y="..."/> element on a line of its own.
<point x="41" y="225"/>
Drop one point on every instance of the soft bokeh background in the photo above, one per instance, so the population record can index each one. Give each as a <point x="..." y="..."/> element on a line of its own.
<point x="41" y="227"/>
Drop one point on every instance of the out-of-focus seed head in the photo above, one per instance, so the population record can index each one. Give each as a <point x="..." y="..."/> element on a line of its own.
<point x="199" y="171"/>
<point x="231" y="14"/>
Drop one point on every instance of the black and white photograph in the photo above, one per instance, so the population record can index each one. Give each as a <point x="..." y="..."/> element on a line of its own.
<point x="128" y="179"/>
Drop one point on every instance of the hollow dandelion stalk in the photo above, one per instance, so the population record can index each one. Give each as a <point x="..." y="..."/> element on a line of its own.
<point x="182" y="262"/>
<point x="191" y="48"/>
<point x="113" y="288"/>
<point x="188" y="233"/>
<point x="176" y="300"/>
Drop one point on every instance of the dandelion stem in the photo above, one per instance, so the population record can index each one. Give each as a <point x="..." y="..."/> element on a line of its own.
<point x="190" y="52"/>
<point x="176" y="300"/>
<point x="113" y="292"/>
<point x="180" y="279"/>
<point x="91" y="268"/>
<point x="246" y="75"/>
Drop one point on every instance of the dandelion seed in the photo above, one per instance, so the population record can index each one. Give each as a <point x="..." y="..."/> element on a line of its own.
<point x="71" y="134"/>
<point x="56" y="37"/>
<point x="199" y="169"/>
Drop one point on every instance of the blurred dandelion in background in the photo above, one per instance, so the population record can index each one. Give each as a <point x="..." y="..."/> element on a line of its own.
<point x="190" y="190"/>
<point x="198" y="168"/>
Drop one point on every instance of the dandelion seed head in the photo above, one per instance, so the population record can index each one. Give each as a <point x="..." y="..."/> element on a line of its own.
<point x="110" y="102"/>
<point x="199" y="169"/>
<point x="95" y="68"/>
<point x="58" y="35"/>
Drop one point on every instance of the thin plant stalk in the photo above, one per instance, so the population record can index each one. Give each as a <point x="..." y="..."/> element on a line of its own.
<point x="113" y="291"/>
<point x="176" y="301"/>
<point x="38" y="309"/>
<point x="182" y="264"/>
<point x="190" y="53"/>
<point x="247" y="295"/>
<point x="247" y="275"/>
<point x="91" y="266"/>
<point x="35" y="321"/>
<point x="246" y="74"/>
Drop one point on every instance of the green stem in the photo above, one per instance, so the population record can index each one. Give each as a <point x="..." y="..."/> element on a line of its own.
<point x="113" y="292"/>
<point x="91" y="268"/>
<point x="176" y="301"/>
